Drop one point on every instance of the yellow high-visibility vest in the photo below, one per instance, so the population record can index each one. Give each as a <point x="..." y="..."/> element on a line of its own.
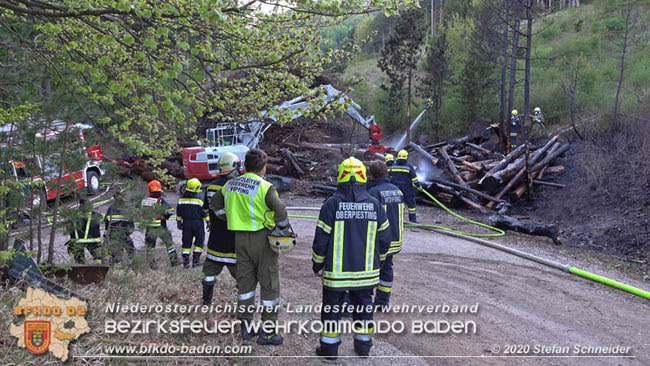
<point x="245" y="201"/>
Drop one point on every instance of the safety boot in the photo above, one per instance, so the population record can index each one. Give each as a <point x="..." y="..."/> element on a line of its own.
<point x="196" y="260"/>
<point x="362" y="348"/>
<point x="153" y="265"/>
<point x="273" y="339"/>
<point x="173" y="260"/>
<point x="245" y="334"/>
<point x="412" y="218"/>
<point x="186" y="261"/>
<point x="329" y="351"/>
<point x="208" y="291"/>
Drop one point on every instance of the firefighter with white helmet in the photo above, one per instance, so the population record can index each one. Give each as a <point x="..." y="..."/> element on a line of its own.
<point x="402" y="174"/>
<point x="350" y="244"/>
<point x="253" y="210"/>
<point x="538" y="117"/>
<point x="514" y="128"/>
<point x="190" y="218"/>
<point x="221" y="241"/>
<point x="156" y="211"/>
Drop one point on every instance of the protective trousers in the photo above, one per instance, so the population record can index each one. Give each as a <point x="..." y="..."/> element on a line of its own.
<point x="76" y="251"/>
<point x="256" y="262"/>
<point x="382" y="296"/>
<point x="151" y="236"/>
<point x="193" y="230"/>
<point x="409" y="197"/>
<point x="362" y="316"/>
<point x="119" y="241"/>
<point x="211" y="270"/>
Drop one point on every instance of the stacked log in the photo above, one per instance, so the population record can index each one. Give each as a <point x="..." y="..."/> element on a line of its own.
<point x="482" y="178"/>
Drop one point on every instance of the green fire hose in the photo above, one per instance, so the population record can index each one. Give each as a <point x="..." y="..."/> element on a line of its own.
<point x="498" y="232"/>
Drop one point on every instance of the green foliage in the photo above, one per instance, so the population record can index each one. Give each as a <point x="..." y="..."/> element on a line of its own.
<point x="550" y="31"/>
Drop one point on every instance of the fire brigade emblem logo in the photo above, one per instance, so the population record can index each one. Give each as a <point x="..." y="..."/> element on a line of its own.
<point x="37" y="335"/>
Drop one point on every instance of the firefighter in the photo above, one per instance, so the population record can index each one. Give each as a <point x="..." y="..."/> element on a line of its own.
<point x="374" y="133"/>
<point x="390" y="159"/>
<point x="538" y="117"/>
<point x="392" y="198"/>
<point x="118" y="227"/>
<point x="350" y="242"/>
<point x="514" y="129"/>
<point x="189" y="219"/>
<point x="253" y="210"/>
<point x="85" y="233"/>
<point x="221" y="242"/>
<point x="156" y="211"/>
<point x="402" y="174"/>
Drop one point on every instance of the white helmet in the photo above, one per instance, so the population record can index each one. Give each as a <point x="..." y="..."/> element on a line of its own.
<point x="229" y="163"/>
<point x="538" y="110"/>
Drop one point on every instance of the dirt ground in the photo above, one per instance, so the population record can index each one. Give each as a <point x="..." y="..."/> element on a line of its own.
<point x="520" y="302"/>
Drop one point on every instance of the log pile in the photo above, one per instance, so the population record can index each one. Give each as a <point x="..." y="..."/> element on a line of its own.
<point x="481" y="178"/>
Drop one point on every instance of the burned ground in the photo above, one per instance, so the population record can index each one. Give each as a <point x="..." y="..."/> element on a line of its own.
<point x="605" y="205"/>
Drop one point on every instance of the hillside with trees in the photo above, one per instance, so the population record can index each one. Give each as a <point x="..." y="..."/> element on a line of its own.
<point x="573" y="59"/>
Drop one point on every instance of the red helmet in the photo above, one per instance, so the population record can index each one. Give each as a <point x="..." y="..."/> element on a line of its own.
<point x="154" y="186"/>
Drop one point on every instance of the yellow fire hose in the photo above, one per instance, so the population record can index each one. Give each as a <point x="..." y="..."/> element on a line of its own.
<point x="476" y="237"/>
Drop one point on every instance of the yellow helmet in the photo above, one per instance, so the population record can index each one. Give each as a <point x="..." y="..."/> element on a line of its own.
<point x="514" y="112"/>
<point x="389" y="157"/>
<point x="283" y="244"/>
<point x="193" y="185"/>
<point x="352" y="167"/>
<point x="403" y="154"/>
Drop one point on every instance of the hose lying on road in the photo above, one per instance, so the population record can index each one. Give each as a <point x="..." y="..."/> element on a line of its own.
<point x="475" y="238"/>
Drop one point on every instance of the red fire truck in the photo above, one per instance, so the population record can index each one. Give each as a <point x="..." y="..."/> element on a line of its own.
<point x="88" y="176"/>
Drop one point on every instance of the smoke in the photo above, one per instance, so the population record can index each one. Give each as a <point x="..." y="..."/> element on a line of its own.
<point x="423" y="167"/>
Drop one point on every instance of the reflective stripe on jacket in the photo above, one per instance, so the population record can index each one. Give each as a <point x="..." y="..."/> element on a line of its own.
<point x="392" y="199"/>
<point x="402" y="173"/>
<point x="221" y="242"/>
<point x="351" y="239"/>
<point x="157" y="204"/>
<point x="190" y="207"/>
<point x="89" y="231"/>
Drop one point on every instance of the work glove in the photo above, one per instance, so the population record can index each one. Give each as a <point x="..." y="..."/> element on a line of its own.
<point x="179" y="225"/>
<point x="281" y="232"/>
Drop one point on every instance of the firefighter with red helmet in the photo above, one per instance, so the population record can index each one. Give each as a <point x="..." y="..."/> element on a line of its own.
<point x="190" y="219"/>
<point x="156" y="211"/>
<point x="221" y="242"/>
<point x="350" y="244"/>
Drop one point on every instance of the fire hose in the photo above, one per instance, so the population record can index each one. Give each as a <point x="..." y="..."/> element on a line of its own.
<point x="477" y="239"/>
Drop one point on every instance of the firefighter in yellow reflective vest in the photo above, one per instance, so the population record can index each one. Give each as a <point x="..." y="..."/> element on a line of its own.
<point x="254" y="210"/>
<point x="85" y="233"/>
<point x="156" y="211"/>
<point x="402" y="174"/>
<point x="392" y="199"/>
<point x="221" y="243"/>
<point x="350" y="242"/>
<point x="190" y="219"/>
